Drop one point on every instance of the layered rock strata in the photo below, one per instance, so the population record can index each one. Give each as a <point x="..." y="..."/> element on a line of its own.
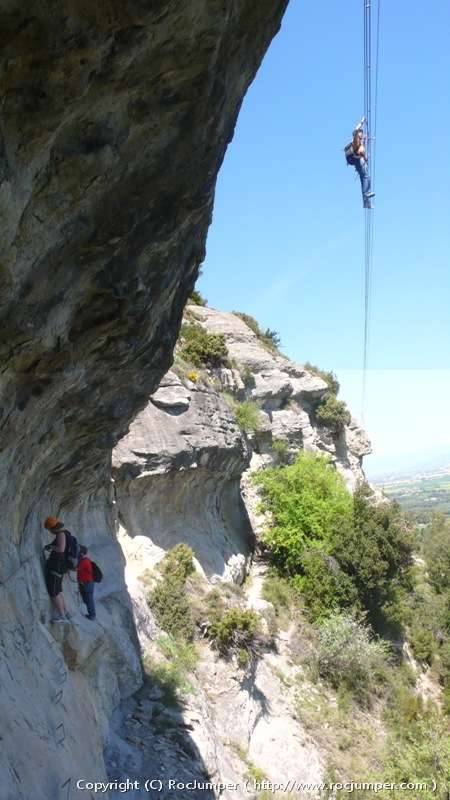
<point x="114" y="122"/>
<point x="287" y="394"/>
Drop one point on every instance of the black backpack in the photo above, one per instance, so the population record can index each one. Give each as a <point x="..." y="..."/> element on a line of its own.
<point x="349" y="154"/>
<point x="98" y="574"/>
<point x="72" y="551"/>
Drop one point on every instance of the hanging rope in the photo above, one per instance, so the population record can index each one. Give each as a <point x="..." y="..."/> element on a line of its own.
<point x="369" y="213"/>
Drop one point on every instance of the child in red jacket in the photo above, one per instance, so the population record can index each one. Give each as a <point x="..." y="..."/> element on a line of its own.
<point x="85" y="575"/>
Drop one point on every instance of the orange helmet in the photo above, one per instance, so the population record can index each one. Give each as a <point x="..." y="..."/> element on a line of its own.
<point x="52" y="522"/>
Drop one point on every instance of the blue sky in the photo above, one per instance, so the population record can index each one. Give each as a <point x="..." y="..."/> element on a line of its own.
<point x="286" y="243"/>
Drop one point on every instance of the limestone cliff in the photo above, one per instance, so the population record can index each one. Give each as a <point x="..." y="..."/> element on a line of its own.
<point x="183" y="474"/>
<point x="115" y="118"/>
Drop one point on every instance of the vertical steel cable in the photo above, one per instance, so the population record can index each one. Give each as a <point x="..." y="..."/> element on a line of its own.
<point x="369" y="214"/>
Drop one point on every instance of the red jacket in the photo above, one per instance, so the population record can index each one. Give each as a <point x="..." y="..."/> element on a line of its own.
<point x="85" y="573"/>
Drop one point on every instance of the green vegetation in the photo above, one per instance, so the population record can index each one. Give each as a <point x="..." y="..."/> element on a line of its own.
<point x="283" y="595"/>
<point x="422" y="495"/>
<point x="376" y="552"/>
<point x="403" y="739"/>
<point x="253" y="773"/>
<point x="234" y="631"/>
<point x="247" y="416"/>
<point x="348" y="657"/>
<point x="333" y="413"/>
<point x="197" y="299"/>
<point x="349" y="561"/>
<point x="309" y="504"/>
<point x="247" y="413"/>
<point x="280" y="448"/>
<point x="422" y="643"/>
<point x="339" y="551"/>
<point x="323" y="585"/>
<point x="329" y="377"/>
<point x="168" y="599"/>
<point x="171" y="674"/>
<point x="436" y="551"/>
<point x="202" y="349"/>
<point x="427" y="609"/>
<point x="269" y="339"/>
<point x="418" y="743"/>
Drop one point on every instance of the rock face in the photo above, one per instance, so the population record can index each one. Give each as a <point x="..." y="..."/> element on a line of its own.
<point x="287" y="394"/>
<point x="177" y="478"/>
<point x="115" y="120"/>
<point x="183" y="472"/>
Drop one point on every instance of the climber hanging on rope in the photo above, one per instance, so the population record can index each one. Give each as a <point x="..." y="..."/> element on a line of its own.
<point x="355" y="155"/>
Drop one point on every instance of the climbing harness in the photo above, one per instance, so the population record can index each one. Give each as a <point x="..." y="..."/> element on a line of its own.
<point x="370" y="137"/>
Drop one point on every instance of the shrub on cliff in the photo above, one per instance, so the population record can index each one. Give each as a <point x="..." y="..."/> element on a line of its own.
<point x="171" y="674"/>
<point x="201" y="348"/>
<point x="436" y="551"/>
<point x="329" y="377"/>
<point x="324" y="585"/>
<point x="168" y="600"/>
<point x="178" y="562"/>
<point x="308" y="503"/>
<point x="280" y="449"/>
<point x="348" y="656"/>
<point x="269" y="338"/>
<point x="376" y="551"/>
<point x="333" y="413"/>
<point x="247" y="416"/>
<point x="338" y="550"/>
<point x="197" y="299"/>
<point x="234" y="631"/>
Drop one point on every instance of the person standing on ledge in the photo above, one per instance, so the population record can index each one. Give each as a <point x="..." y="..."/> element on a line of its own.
<point x="55" y="567"/>
<point x="86" y="584"/>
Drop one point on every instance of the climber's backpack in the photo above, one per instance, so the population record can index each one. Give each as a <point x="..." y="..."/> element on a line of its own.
<point x="72" y="551"/>
<point x="98" y="574"/>
<point x="349" y="154"/>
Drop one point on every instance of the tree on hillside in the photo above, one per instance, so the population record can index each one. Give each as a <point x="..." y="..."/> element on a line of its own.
<point x="375" y="551"/>
<point x="436" y="550"/>
<point x="308" y="503"/>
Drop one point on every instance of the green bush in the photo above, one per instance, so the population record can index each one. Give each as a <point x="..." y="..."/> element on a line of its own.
<point x="324" y="586"/>
<point x="436" y="550"/>
<point x="419" y="752"/>
<point x="171" y="675"/>
<point x="235" y="630"/>
<point x="339" y="551"/>
<point x="347" y="655"/>
<point x="168" y="599"/>
<point x="309" y="505"/>
<point x="422" y="643"/>
<point x="178" y="562"/>
<point x="280" y="448"/>
<point x="329" y="377"/>
<point x="247" y="416"/>
<point x="333" y="413"/>
<point x="376" y="552"/>
<point x="171" y="609"/>
<point x="201" y="348"/>
<point x="269" y="338"/>
<point x="197" y="299"/>
<point x="446" y="700"/>
<point x="280" y="592"/>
